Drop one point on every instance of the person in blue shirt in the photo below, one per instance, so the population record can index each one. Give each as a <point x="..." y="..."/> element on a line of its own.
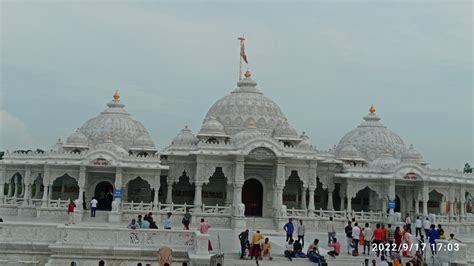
<point x="289" y="229"/>
<point x="433" y="234"/>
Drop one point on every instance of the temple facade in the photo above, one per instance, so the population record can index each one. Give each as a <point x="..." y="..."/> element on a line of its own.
<point x="246" y="161"/>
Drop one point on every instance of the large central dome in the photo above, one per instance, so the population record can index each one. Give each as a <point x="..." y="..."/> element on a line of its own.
<point x="244" y="106"/>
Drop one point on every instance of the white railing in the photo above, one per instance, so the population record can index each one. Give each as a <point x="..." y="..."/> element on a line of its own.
<point x="367" y="216"/>
<point x="469" y="217"/>
<point x="177" y="208"/>
<point x="13" y="201"/>
<point x="36" y="202"/>
<point x="137" y="206"/>
<point x="58" y="204"/>
<point x="337" y="215"/>
<point x="296" y="212"/>
<point x="216" y="209"/>
<point x="442" y="218"/>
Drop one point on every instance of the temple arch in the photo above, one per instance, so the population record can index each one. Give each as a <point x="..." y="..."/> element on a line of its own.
<point x="293" y="190"/>
<point x="366" y="200"/>
<point x="214" y="192"/>
<point x="183" y="190"/>
<point x="435" y="202"/>
<point x="64" y="187"/>
<point x="139" y="190"/>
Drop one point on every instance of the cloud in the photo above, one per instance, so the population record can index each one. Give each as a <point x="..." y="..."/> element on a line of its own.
<point x="13" y="133"/>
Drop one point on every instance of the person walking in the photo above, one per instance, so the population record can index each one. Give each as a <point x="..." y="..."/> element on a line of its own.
<point x="426" y="225"/>
<point x="331" y="230"/>
<point x="348" y="231"/>
<point x="186" y="220"/>
<point x="70" y="211"/>
<point x="408" y="222"/>
<point x="367" y="238"/>
<point x="168" y="222"/>
<point x="355" y="239"/>
<point x="94" y="203"/>
<point x="398" y="237"/>
<point x="244" y="239"/>
<point x="255" y="252"/>
<point x="433" y="234"/>
<point x="289" y="229"/>
<point x="301" y="231"/>
<point x="203" y="227"/>
<point x="378" y="237"/>
<point x="390" y="238"/>
<point x="418" y="226"/>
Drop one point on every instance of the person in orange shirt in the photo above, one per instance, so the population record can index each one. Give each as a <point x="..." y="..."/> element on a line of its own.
<point x="255" y="252"/>
<point x="266" y="249"/>
<point x="378" y="238"/>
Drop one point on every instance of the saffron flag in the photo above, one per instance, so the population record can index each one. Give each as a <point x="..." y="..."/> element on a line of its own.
<point x="242" y="52"/>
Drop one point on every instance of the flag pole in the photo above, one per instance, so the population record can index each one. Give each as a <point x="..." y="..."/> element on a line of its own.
<point x="241" y="39"/>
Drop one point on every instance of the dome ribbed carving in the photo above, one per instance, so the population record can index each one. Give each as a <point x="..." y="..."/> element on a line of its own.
<point x="117" y="125"/>
<point x="184" y="138"/>
<point x="244" y="105"/>
<point x="77" y="139"/>
<point x="372" y="139"/>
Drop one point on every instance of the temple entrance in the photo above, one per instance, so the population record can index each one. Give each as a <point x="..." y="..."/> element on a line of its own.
<point x="252" y="197"/>
<point x="103" y="194"/>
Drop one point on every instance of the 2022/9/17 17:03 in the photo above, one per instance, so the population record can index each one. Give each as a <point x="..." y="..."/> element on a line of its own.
<point x="417" y="246"/>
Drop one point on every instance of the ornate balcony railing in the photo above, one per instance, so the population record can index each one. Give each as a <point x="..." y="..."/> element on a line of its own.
<point x="137" y="206"/>
<point x="225" y="210"/>
<point x="58" y="204"/>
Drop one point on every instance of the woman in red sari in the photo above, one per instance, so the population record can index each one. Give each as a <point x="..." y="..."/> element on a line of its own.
<point x="398" y="237"/>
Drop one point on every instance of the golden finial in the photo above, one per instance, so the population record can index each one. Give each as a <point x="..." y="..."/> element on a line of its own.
<point x="372" y="109"/>
<point x="116" y="96"/>
<point x="247" y="73"/>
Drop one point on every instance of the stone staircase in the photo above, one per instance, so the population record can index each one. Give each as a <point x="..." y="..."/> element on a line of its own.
<point x="101" y="218"/>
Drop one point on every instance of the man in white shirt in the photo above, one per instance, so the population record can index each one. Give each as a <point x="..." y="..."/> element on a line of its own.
<point x="408" y="222"/>
<point x="355" y="238"/>
<point x="93" y="206"/>
<point x="331" y="230"/>
<point x="289" y="252"/>
<point x="367" y="238"/>
<point x="427" y="225"/>
<point x="418" y="226"/>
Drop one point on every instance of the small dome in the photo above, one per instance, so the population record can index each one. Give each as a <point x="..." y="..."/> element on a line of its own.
<point x="412" y="155"/>
<point x="77" y="139"/>
<point x="212" y="128"/>
<point x="110" y="146"/>
<point x="385" y="161"/>
<point x="185" y="138"/>
<point x="250" y="133"/>
<point x="58" y="147"/>
<point x="143" y="142"/>
<point x="372" y="138"/>
<point x="349" y="153"/>
<point x="306" y="143"/>
<point x="285" y="132"/>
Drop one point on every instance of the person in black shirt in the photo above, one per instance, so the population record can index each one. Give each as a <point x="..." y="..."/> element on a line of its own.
<point x="348" y="230"/>
<point x="244" y="239"/>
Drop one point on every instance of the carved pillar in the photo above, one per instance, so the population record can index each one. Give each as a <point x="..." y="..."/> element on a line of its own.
<point x="417" y="206"/>
<point x="384" y="205"/>
<point x="462" y="200"/>
<point x="237" y="185"/>
<point x="280" y="183"/>
<point x="311" y="199"/>
<point x="27" y="192"/>
<point x="156" y="187"/>
<point x="198" y="193"/>
<point x="81" y="182"/>
<point x="118" y="185"/>
<point x="425" y="197"/>
<point x="3" y="177"/>
<point x="10" y="188"/>
<point x="228" y="195"/>
<point x="330" y="205"/>
<point x="303" y="197"/>
<point x="169" y="190"/>
<point x="391" y="194"/>
<point x="342" y="196"/>
<point x="46" y="178"/>
<point x="452" y="198"/>
<point x="349" y="197"/>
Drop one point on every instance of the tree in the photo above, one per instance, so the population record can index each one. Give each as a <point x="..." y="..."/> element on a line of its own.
<point x="467" y="168"/>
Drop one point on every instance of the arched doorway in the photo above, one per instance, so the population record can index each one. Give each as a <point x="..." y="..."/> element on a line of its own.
<point x="103" y="194"/>
<point x="252" y="197"/>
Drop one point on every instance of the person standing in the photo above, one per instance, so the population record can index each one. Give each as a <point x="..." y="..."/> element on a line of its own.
<point x="255" y="252"/>
<point x="367" y="238"/>
<point x="418" y="226"/>
<point x="390" y="238"/>
<point x="203" y="227"/>
<point x="355" y="239"/>
<point x="348" y="231"/>
<point x="244" y="239"/>
<point x="427" y="225"/>
<point x="408" y="222"/>
<point x="331" y="230"/>
<point x="168" y="223"/>
<point x="378" y="237"/>
<point x="70" y="211"/>
<point x="186" y="220"/>
<point x="94" y="203"/>
<point x="301" y="231"/>
<point x="289" y="228"/>
<point x="433" y="234"/>
<point x="84" y="204"/>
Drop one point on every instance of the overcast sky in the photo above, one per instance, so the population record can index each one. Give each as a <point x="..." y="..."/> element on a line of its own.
<point x="324" y="63"/>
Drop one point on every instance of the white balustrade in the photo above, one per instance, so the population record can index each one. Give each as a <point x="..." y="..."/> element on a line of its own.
<point x="337" y="215"/>
<point x="137" y="206"/>
<point x="296" y="212"/>
<point x="177" y="208"/>
<point x="216" y="209"/>
<point x="58" y="204"/>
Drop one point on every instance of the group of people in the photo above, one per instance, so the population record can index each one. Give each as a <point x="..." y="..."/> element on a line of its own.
<point x="257" y="248"/>
<point x="146" y="222"/>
